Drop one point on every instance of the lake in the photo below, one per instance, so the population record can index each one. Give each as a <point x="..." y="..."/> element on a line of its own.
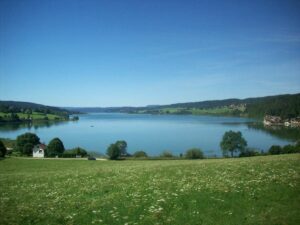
<point x="153" y="133"/>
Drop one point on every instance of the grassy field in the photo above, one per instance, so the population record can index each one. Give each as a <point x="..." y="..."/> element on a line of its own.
<point x="34" y="116"/>
<point x="257" y="190"/>
<point x="224" y="110"/>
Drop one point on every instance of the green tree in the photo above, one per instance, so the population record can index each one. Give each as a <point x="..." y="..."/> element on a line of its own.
<point x="275" y="150"/>
<point x="122" y="146"/>
<point x="248" y="152"/>
<point x="194" y="153"/>
<point x="55" y="147"/>
<point x="74" y="152"/>
<point x="113" y="151"/>
<point x="28" y="111"/>
<point x="14" y="117"/>
<point x="27" y="149"/>
<point x="297" y="146"/>
<point x="289" y="149"/>
<point x="233" y="142"/>
<point x="27" y="138"/>
<point x="166" y="154"/>
<point x="140" y="154"/>
<point x="80" y="151"/>
<point x="2" y="149"/>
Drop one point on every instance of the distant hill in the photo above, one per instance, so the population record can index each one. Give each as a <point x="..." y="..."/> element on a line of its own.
<point x="286" y="106"/>
<point x="15" y="111"/>
<point x="16" y="106"/>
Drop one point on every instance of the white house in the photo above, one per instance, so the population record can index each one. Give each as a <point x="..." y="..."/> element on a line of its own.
<point x="38" y="151"/>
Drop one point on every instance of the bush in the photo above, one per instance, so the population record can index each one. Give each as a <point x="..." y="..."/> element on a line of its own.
<point x="113" y="151"/>
<point x="249" y="152"/>
<point x="27" y="149"/>
<point x="2" y="149"/>
<point x="167" y="154"/>
<point x="55" y="147"/>
<point x="297" y="143"/>
<point x="232" y="142"/>
<point x="24" y="139"/>
<point x="16" y="154"/>
<point x="72" y="153"/>
<point x="194" y="153"/>
<point x="140" y="154"/>
<point x="275" y="150"/>
<point x="297" y="147"/>
<point x="289" y="149"/>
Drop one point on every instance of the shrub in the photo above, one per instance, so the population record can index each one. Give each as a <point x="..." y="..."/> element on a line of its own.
<point x="16" y="153"/>
<point x="140" y="154"/>
<point x="113" y="151"/>
<point x="249" y="152"/>
<point x="27" y="149"/>
<point x="297" y="143"/>
<point x="122" y="145"/>
<point x="27" y="138"/>
<point x="55" y="147"/>
<point x="71" y="153"/>
<point x="275" y="150"/>
<point x="232" y="142"/>
<point x="167" y="154"/>
<point x="297" y="146"/>
<point x="288" y="149"/>
<point x="2" y="149"/>
<point x="194" y="153"/>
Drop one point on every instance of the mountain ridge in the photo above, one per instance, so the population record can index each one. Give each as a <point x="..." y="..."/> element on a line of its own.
<point x="285" y="105"/>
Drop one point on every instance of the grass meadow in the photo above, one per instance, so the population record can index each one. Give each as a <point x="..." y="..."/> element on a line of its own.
<point x="34" y="116"/>
<point x="257" y="190"/>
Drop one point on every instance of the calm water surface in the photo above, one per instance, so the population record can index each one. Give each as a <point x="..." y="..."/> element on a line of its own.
<point x="151" y="133"/>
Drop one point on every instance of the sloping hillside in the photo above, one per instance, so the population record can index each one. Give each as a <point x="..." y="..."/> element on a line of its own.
<point x="22" y="111"/>
<point x="286" y="106"/>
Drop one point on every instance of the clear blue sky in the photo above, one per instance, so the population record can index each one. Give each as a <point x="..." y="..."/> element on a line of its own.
<point x="117" y="53"/>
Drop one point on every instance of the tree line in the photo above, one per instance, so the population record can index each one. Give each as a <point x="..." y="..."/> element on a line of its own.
<point x="286" y="106"/>
<point x="25" y="143"/>
<point x="232" y="144"/>
<point x="28" y="108"/>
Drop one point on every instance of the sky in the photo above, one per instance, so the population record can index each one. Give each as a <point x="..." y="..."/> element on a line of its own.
<point x="137" y="53"/>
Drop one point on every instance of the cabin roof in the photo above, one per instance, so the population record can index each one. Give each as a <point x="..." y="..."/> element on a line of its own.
<point x="41" y="146"/>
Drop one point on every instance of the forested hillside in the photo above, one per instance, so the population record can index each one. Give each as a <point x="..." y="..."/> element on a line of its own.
<point x="286" y="106"/>
<point x="23" y="111"/>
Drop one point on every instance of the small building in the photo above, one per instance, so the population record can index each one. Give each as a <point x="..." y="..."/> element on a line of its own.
<point x="272" y="120"/>
<point x="38" y="151"/>
<point x="9" y="151"/>
<point x="295" y="121"/>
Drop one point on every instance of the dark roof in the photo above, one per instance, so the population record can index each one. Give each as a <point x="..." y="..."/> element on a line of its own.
<point x="42" y="146"/>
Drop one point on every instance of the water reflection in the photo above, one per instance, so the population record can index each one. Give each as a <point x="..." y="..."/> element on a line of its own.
<point x="283" y="132"/>
<point x="30" y="125"/>
<point x="153" y="134"/>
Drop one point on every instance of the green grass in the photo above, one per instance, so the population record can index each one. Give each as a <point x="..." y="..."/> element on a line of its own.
<point x="224" y="110"/>
<point x="257" y="190"/>
<point x="34" y="116"/>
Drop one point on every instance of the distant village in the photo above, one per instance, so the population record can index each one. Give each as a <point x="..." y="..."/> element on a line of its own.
<point x="277" y="120"/>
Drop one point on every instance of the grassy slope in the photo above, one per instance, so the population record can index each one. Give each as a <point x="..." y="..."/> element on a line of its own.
<point x="224" y="110"/>
<point x="257" y="190"/>
<point x="35" y="116"/>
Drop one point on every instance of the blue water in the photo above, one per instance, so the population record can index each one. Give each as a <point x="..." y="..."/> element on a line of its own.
<point x="151" y="133"/>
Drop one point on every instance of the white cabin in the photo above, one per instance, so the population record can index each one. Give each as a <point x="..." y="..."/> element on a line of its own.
<point x="38" y="151"/>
